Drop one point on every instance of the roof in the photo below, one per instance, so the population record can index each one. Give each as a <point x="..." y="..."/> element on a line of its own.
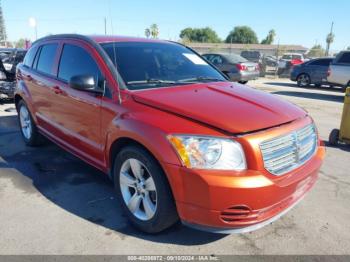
<point x="99" y="38"/>
<point x="115" y="38"/>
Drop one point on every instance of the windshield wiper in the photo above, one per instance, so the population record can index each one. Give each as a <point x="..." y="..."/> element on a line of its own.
<point x="151" y="81"/>
<point x="201" y="79"/>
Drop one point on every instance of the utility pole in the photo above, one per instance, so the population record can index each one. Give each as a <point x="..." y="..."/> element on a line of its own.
<point x="3" y="36"/>
<point x="105" y="20"/>
<point x="329" y="40"/>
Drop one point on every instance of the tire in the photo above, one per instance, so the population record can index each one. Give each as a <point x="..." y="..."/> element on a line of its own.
<point x="243" y="82"/>
<point x="318" y="85"/>
<point x="131" y="164"/>
<point x="303" y="80"/>
<point x="334" y="137"/>
<point x="28" y="128"/>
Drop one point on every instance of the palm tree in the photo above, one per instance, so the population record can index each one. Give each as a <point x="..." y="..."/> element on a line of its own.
<point x="329" y="40"/>
<point x="154" y="30"/>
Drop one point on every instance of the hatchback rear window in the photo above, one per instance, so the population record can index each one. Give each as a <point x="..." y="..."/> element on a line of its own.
<point x="46" y="58"/>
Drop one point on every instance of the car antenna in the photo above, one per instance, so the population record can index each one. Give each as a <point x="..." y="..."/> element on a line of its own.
<point x="114" y="53"/>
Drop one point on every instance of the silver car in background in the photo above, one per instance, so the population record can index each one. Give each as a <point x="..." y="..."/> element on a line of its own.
<point x="339" y="70"/>
<point x="236" y="67"/>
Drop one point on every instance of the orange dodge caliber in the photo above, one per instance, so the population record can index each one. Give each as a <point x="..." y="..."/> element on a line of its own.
<point x="178" y="140"/>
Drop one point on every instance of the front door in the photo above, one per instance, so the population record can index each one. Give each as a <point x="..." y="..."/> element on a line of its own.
<point x="77" y="113"/>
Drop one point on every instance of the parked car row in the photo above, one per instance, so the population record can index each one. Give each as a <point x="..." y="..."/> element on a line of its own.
<point x="9" y="59"/>
<point x="323" y="71"/>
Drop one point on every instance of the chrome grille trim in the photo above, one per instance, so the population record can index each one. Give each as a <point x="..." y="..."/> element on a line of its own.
<point x="290" y="151"/>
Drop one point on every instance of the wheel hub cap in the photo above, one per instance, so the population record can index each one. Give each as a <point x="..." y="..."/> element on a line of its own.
<point x="138" y="189"/>
<point x="25" y="121"/>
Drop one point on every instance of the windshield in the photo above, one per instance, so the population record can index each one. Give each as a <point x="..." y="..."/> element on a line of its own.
<point x="155" y="65"/>
<point x="233" y="58"/>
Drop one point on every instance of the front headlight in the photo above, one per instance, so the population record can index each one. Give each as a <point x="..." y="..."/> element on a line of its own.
<point x="205" y="152"/>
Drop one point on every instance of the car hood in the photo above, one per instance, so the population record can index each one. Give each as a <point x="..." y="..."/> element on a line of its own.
<point x="227" y="106"/>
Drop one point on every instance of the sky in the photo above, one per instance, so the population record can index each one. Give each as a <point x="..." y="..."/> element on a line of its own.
<point x="304" y="22"/>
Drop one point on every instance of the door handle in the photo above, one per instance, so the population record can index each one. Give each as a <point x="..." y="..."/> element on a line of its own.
<point x="57" y="90"/>
<point x="29" y="77"/>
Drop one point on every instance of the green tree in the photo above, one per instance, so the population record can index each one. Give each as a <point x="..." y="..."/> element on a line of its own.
<point x="269" y="38"/>
<point x="348" y="48"/>
<point x="206" y="35"/>
<point x="242" y="35"/>
<point x="316" y="51"/>
<point x="20" y="43"/>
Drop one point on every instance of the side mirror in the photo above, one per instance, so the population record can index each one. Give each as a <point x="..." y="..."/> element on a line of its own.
<point x="84" y="83"/>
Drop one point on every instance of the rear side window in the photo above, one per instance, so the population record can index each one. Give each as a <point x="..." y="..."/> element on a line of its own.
<point x="29" y="58"/>
<point x="46" y="58"/>
<point x="321" y="62"/>
<point x="76" y="61"/>
<point x="345" y="58"/>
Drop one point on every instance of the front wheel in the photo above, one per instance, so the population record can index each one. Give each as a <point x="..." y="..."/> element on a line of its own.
<point x="334" y="137"/>
<point x="29" y="131"/>
<point x="143" y="190"/>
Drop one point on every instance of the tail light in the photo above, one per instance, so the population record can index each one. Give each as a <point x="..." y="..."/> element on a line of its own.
<point x="329" y="72"/>
<point x="241" y="67"/>
<point x="257" y="68"/>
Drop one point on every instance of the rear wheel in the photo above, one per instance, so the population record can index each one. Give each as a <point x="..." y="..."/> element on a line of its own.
<point x="29" y="131"/>
<point x="334" y="137"/>
<point x="143" y="190"/>
<point x="303" y="80"/>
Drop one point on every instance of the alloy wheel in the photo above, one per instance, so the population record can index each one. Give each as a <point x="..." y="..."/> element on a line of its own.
<point x="138" y="189"/>
<point x="304" y="80"/>
<point x="25" y="121"/>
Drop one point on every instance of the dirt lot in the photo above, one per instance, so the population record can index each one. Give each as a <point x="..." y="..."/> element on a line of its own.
<point x="53" y="203"/>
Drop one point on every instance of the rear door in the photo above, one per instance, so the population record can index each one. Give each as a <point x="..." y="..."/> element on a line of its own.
<point x="318" y="70"/>
<point x="40" y="81"/>
<point x="78" y="113"/>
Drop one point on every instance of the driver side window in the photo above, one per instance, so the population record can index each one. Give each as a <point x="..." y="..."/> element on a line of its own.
<point x="76" y="61"/>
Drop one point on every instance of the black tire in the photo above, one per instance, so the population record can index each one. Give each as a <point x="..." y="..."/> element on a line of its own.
<point x="303" y="80"/>
<point x="166" y="214"/>
<point x="243" y="82"/>
<point x="35" y="138"/>
<point x="334" y="137"/>
<point x="318" y="85"/>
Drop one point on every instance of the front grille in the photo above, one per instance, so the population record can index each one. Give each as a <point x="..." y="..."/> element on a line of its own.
<point x="285" y="153"/>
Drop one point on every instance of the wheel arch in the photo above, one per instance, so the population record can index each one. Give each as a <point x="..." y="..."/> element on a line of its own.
<point x="123" y="142"/>
<point x="17" y="99"/>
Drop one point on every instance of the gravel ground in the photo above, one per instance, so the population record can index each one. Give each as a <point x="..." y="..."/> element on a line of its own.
<point x="53" y="203"/>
